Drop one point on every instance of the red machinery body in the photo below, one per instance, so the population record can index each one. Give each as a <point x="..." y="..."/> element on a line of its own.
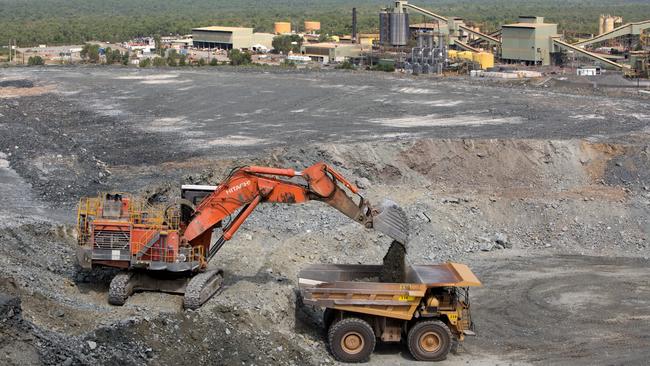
<point x="118" y="231"/>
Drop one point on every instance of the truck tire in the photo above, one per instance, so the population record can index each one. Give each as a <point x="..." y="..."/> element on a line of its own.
<point x="429" y="340"/>
<point x="351" y="340"/>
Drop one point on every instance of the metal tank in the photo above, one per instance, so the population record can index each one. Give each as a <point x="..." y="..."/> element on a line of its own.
<point x="384" y="28"/>
<point x="399" y="29"/>
<point x="282" y="27"/>
<point x="609" y="24"/>
<point x="311" y="26"/>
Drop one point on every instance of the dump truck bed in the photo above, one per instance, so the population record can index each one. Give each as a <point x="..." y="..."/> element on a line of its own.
<point x="357" y="288"/>
<point x="436" y="275"/>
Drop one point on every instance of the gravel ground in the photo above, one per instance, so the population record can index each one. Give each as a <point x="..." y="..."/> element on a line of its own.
<point x="544" y="193"/>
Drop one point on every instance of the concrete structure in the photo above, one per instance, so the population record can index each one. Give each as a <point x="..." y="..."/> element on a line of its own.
<point x="607" y="23"/>
<point x="227" y="38"/>
<point x="331" y="52"/>
<point x="367" y="39"/>
<point x="633" y="29"/>
<point x="530" y="40"/>
<point x="263" y="39"/>
<point x="177" y="43"/>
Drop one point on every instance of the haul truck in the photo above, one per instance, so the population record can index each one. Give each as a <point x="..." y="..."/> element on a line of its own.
<point x="430" y="310"/>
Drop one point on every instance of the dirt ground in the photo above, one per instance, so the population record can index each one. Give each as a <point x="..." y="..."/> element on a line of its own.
<point x="544" y="193"/>
<point x="565" y="309"/>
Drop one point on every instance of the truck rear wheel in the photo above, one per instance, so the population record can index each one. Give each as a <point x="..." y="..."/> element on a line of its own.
<point x="429" y="340"/>
<point x="351" y="340"/>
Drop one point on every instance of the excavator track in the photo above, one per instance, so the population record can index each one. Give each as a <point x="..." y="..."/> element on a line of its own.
<point x="202" y="287"/>
<point x="120" y="289"/>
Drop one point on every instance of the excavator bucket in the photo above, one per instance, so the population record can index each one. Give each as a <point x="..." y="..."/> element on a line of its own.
<point x="392" y="221"/>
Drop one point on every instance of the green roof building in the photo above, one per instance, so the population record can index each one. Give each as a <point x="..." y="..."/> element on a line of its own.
<point x="530" y="40"/>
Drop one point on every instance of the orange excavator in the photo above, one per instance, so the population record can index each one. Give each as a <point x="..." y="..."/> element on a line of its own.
<point x="168" y="248"/>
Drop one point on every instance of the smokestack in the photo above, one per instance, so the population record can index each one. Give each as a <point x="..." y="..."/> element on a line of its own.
<point x="354" y="24"/>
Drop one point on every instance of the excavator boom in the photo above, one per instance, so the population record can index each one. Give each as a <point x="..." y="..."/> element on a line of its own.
<point x="246" y="187"/>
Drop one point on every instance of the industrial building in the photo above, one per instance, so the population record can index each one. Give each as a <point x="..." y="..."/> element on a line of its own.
<point x="367" y="39"/>
<point x="226" y="38"/>
<point x="530" y="40"/>
<point x="331" y="52"/>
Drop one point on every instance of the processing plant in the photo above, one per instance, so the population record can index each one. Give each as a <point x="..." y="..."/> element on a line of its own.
<point x="530" y="41"/>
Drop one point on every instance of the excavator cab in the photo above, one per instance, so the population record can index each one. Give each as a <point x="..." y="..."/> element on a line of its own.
<point x="191" y="196"/>
<point x="114" y="205"/>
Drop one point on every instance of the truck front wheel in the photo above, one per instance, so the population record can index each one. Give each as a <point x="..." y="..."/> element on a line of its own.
<point x="429" y="340"/>
<point x="351" y="340"/>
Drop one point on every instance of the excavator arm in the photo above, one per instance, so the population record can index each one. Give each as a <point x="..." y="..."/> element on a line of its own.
<point x="247" y="187"/>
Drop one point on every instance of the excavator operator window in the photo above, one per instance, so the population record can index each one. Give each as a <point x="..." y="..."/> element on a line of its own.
<point x="112" y="205"/>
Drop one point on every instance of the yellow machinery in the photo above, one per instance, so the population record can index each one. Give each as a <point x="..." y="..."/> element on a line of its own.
<point x="430" y="309"/>
<point x="476" y="57"/>
<point x="484" y="59"/>
<point x="466" y="55"/>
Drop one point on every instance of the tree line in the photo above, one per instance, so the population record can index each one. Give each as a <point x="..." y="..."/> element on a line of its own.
<point x="33" y="22"/>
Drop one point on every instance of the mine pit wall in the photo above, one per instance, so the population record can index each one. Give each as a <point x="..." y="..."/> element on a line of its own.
<point x="463" y="198"/>
<point x="574" y="195"/>
<point x="492" y="165"/>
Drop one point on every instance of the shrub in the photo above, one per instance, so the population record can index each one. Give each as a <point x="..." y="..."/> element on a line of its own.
<point x="35" y="61"/>
<point x="345" y="65"/>
<point x="238" y="57"/>
<point x="159" y="62"/>
<point x="383" y="67"/>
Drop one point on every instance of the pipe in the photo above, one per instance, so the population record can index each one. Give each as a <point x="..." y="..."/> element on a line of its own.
<point x="239" y="220"/>
<point x="354" y="24"/>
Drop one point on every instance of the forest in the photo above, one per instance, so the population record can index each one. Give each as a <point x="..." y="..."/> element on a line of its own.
<point x="52" y="22"/>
